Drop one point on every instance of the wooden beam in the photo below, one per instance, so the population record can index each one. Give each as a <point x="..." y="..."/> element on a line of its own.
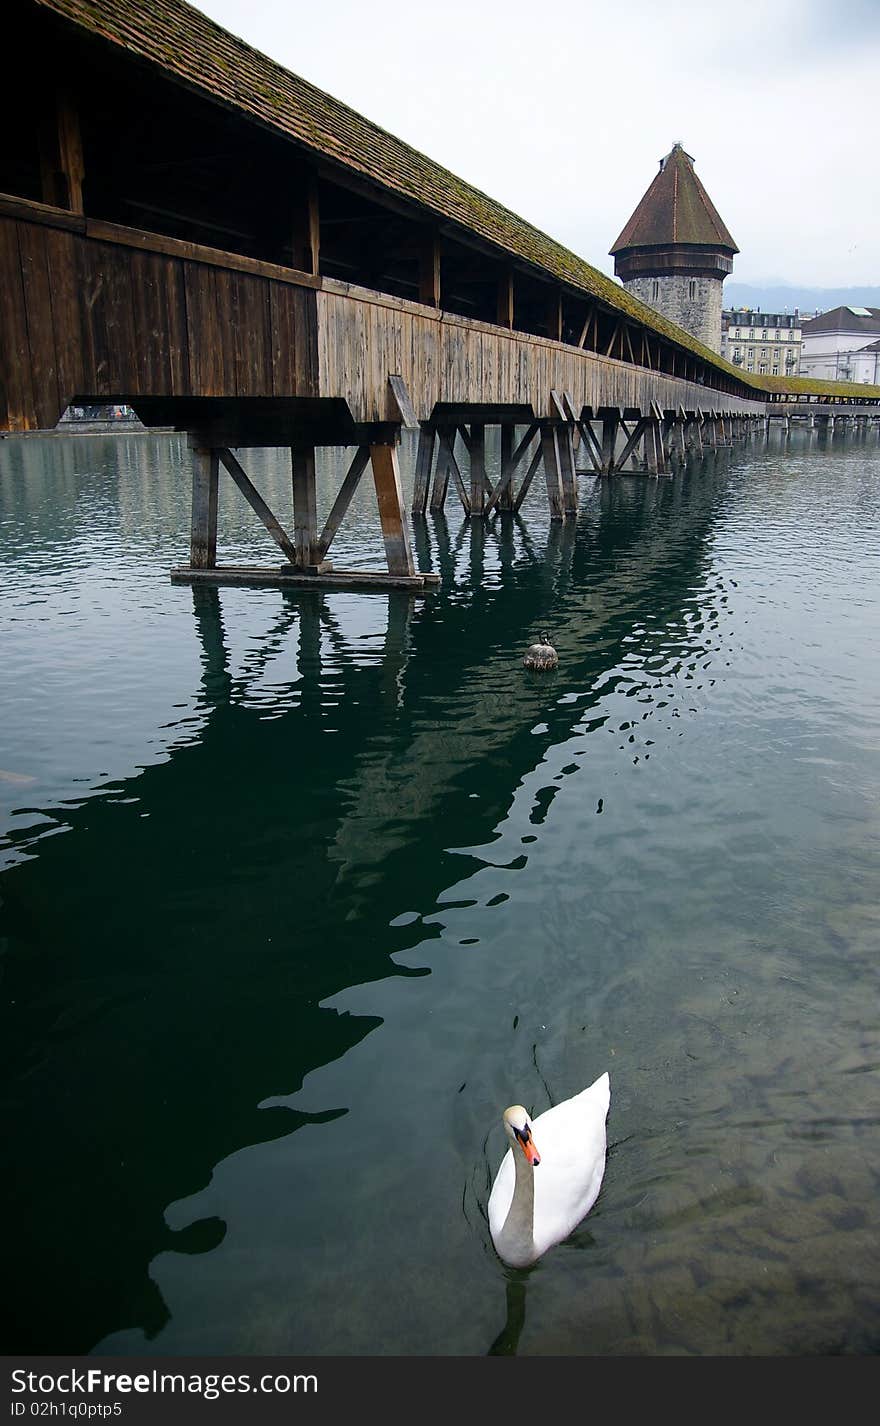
<point x="479" y="482"/>
<point x="505" y="299"/>
<point x="203" y="528"/>
<point x="502" y="495"/>
<point x="61" y="157"/>
<point x="510" y="459"/>
<point x="591" y="442"/>
<point x="629" y="448"/>
<point x="554" y="316"/>
<point x="529" y="476"/>
<point x="386" y="478"/>
<point x="305" y="510"/>
<point x="258" y="504"/>
<point x="558" y="408"/>
<point x="402" y="407"/>
<point x="342" y="501"/>
<point x="424" y="460"/>
<point x="610" y="425"/>
<point x="306" y="235"/>
<point x="552" y="470"/>
<point x="429" y="270"/>
<point x="568" y="469"/>
<point x="614" y="335"/>
<point x="449" y="465"/>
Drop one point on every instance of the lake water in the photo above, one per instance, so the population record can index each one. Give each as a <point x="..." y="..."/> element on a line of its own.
<point x="301" y="890"/>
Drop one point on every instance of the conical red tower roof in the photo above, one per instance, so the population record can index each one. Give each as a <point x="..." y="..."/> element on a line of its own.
<point x="675" y="210"/>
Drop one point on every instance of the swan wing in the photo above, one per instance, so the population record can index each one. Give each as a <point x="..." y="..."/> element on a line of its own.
<point x="571" y="1139"/>
<point x="501" y="1196"/>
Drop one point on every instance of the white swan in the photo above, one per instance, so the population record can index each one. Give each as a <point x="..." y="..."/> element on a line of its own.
<point x="546" y="1185"/>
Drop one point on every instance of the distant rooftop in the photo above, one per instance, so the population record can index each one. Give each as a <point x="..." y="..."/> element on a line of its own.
<point x="844" y="319"/>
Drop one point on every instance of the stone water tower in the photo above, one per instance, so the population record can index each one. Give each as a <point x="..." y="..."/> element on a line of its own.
<point x="675" y="251"/>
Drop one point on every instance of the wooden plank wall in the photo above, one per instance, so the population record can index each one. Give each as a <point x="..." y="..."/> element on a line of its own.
<point x="364" y="336"/>
<point x="93" y="311"/>
<point x="84" y="318"/>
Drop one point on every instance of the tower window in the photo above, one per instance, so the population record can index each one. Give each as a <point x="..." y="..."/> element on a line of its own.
<point x="655" y="290"/>
<point x="692" y="289"/>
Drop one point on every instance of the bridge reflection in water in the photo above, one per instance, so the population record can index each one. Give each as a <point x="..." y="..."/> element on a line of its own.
<point x="171" y="956"/>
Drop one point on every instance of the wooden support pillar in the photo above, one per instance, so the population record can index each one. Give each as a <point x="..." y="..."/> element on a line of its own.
<point x="634" y="439"/>
<point x="505" y="299"/>
<point x="386" y="477"/>
<point x="424" y="460"/>
<point x="306" y="235"/>
<point x="676" y="437"/>
<point x="610" y="424"/>
<point x="552" y="470"/>
<point x="477" y="448"/>
<point x="305" y="507"/>
<point x="203" y="530"/>
<point x="447" y="465"/>
<point x="61" y="156"/>
<point x="505" y="497"/>
<point x="502" y="496"/>
<point x="429" y="270"/>
<point x="655" y="460"/>
<point x="568" y="470"/>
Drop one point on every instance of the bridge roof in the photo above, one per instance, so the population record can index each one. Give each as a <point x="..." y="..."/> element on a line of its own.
<point x="192" y="49"/>
<point x="675" y="209"/>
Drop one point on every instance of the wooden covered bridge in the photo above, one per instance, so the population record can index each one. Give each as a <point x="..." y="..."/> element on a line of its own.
<point x="189" y="229"/>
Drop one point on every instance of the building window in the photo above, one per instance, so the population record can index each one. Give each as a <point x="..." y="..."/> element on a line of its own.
<point x="750" y="367"/>
<point x="655" y="290"/>
<point x="764" y="335"/>
<point x="776" y="371"/>
<point x="751" y="353"/>
<point x="692" y="289"/>
<point x="762" y="367"/>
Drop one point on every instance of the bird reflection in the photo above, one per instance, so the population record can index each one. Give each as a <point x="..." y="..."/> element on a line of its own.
<point x="506" y="1344"/>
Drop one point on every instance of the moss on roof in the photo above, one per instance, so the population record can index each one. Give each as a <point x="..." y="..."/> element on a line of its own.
<point x="814" y="386"/>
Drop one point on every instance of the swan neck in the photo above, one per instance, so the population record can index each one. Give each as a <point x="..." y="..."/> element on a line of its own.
<point x="518" y="1233"/>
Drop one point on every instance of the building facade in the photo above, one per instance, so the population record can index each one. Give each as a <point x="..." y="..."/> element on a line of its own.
<point x="675" y="251"/>
<point x="765" y="342"/>
<point x="843" y="344"/>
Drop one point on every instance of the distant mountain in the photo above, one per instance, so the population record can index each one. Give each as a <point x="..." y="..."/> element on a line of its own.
<point x="784" y="298"/>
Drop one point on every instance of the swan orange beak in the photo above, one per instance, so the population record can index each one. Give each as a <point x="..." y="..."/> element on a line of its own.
<point x="528" y="1147"/>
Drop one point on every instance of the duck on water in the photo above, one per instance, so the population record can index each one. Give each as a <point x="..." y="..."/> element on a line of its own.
<point x="541" y="655"/>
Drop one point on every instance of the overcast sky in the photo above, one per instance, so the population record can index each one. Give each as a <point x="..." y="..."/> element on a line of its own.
<point x="562" y="110"/>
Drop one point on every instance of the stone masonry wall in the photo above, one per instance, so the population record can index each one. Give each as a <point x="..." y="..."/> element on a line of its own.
<point x="700" y="315"/>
